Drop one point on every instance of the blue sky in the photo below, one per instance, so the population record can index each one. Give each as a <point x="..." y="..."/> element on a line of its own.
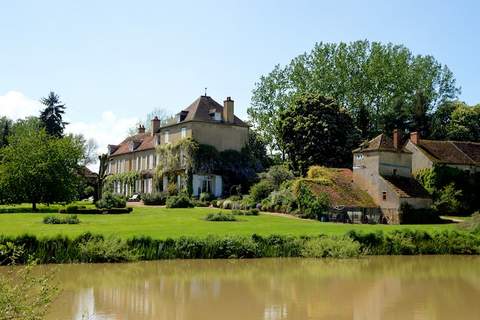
<point x="114" y="61"/>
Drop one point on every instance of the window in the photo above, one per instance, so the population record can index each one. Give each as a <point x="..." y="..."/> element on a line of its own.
<point x="384" y="195"/>
<point x="184" y="132"/>
<point x="167" y="137"/>
<point x="394" y="172"/>
<point x="359" y="156"/>
<point x="207" y="185"/>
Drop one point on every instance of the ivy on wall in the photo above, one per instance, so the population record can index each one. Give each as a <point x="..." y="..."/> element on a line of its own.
<point x="127" y="178"/>
<point x="452" y="184"/>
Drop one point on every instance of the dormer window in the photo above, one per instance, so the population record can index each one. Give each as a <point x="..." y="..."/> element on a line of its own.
<point x="214" y="115"/>
<point x="181" y="116"/>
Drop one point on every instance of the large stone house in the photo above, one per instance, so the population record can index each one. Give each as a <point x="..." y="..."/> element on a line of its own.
<point x="383" y="168"/>
<point x="463" y="155"/>
<point x="205" y="121"/>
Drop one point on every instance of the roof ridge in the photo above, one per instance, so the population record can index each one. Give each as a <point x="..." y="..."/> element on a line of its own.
<point x="473" y="161"/>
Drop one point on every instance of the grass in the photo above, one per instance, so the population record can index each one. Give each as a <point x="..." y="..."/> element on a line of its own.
<point x="162" y="223"/>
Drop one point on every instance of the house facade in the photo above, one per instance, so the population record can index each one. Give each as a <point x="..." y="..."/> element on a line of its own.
<point x="463" y="155"/>
<point x="383" y="168"/>
<point x="205" y="121"/>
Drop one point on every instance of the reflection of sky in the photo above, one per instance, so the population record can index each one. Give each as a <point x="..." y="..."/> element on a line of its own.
<point x="272" y="289"/>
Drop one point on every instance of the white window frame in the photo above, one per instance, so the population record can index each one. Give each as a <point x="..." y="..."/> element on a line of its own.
<point x="184" y="132"/>
<point x="167" y="136"/>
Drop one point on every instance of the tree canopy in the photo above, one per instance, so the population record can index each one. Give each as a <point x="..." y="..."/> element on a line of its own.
<point x="37" y="167"/>
<point x="313" y="129"/>
<point x="51" y="116"/>
<point x="373" y="81"/>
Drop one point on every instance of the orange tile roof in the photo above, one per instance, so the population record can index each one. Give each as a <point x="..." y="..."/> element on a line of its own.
<point x="141" y="142"/>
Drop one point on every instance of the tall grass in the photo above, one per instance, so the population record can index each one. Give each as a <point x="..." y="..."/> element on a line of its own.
<point x="97" y="248"/>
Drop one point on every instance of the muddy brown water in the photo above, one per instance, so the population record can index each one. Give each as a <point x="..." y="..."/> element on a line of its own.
<point x="417" y="287"/>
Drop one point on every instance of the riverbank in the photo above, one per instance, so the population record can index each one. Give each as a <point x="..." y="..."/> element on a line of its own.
<point x="90" y="248"/>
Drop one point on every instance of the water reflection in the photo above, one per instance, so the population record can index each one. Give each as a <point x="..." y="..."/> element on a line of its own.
<point x="440" y="287"/>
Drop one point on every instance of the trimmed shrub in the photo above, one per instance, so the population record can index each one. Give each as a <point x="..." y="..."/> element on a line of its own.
<point x="154" y="198"/>
<point x="83" y="210"/>
<point x="110" y="200"/>
<point x="72" y="219"/>
<point x="220" y="216"/>
<point x="181" y="201"/>
<point x="261" y="190"/>
<point x="71" y="209"/>
<point x="410" y="215"/>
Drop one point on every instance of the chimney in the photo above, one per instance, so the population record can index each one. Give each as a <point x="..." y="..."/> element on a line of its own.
<point x="228" y="115"/>
<point x="396" y="138"/>
<point x="414" y="137"/>
<point x="155" y="125"/>
<point x="141" y="129"/>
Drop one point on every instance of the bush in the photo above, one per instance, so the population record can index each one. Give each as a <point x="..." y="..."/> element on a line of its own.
<point x="251" y="212"/>
<point x="247" y="202"/>
<point x="410" y="215"/>
<point x="71" y="209"/>
<point x="181" y="201"/>
<point x="277" y="175"/>
<point x="198" y="203"/>
<point x="261" y="190"/>
<point x="280" y="201"/>
<point x="309" y="205"/>
<point x="110" y="200"/>
<point x="220" y="216"/>
<point x="100" y="249"/>
<point x="154" y="198"/>
<point x="448" y="201"/>
<point x="473" y="224"/>
<point x="205" y="197"/>
<point x="330" y="247"/>
<point x="72" y="219"/>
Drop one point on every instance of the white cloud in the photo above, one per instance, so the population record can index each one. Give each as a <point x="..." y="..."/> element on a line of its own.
<point x="15" y="105"/>
<point x="108" y="129"/>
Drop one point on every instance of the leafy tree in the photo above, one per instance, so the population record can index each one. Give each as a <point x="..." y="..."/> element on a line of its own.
<point x="315" y="130"/>
<point x="51" y="116"/>
<point x="256" y="152"/>
<point x="364" y="77"/>
<point x="420" y="121"/>
<point x="465" y="124"/>
<point x="102" y="174"/>
<point x="5" y="125"/>
<point x="38" y="167"/>
<point x="396" y="117"/>
<point x="455" y="120"/>
<point x="441" y="119"/>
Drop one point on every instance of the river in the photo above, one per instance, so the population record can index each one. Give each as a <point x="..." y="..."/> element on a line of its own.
<point x="404" y="287"/>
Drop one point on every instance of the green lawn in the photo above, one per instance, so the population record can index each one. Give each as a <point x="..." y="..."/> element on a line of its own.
<point x="162" y="223"/>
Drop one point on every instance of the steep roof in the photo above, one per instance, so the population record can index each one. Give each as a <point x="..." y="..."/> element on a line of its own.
<point x="382" y="142"/>
<point x="452" y="152"/>
<point x="138" y="142"/>
<point x="201" y="108"/>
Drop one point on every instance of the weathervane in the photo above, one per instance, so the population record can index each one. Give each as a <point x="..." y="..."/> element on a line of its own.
<point x="205" y="91"/>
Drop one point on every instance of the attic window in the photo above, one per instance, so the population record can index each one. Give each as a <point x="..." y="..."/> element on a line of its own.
<point x="359" y="156"/>
<point x="181" y="116"/>
<point x="384" y="195"/>
<point x="214" y="115"/>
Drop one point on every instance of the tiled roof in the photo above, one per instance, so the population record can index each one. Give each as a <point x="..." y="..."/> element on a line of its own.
<point x="380" y="142"/>
<point x="141" y="141"/>
<point x="407" y="187"/>
<point x="452" y="152"/>
<point x="200" y="109"/>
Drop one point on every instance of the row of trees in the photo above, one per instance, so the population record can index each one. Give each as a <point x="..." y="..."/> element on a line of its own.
<point x="38" y="162"/>
<point x="372" y="81"/>
<point x="319" y="107"/>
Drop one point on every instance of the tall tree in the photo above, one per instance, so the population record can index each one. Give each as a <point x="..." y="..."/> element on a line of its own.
<point x="51" y="116"/>
<point x="315" y="130"/>
<point x="420" y="120"/>
<point x="37" y="167"/>
<point x="5" y="125"/>
<point x="358" y="75"/>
